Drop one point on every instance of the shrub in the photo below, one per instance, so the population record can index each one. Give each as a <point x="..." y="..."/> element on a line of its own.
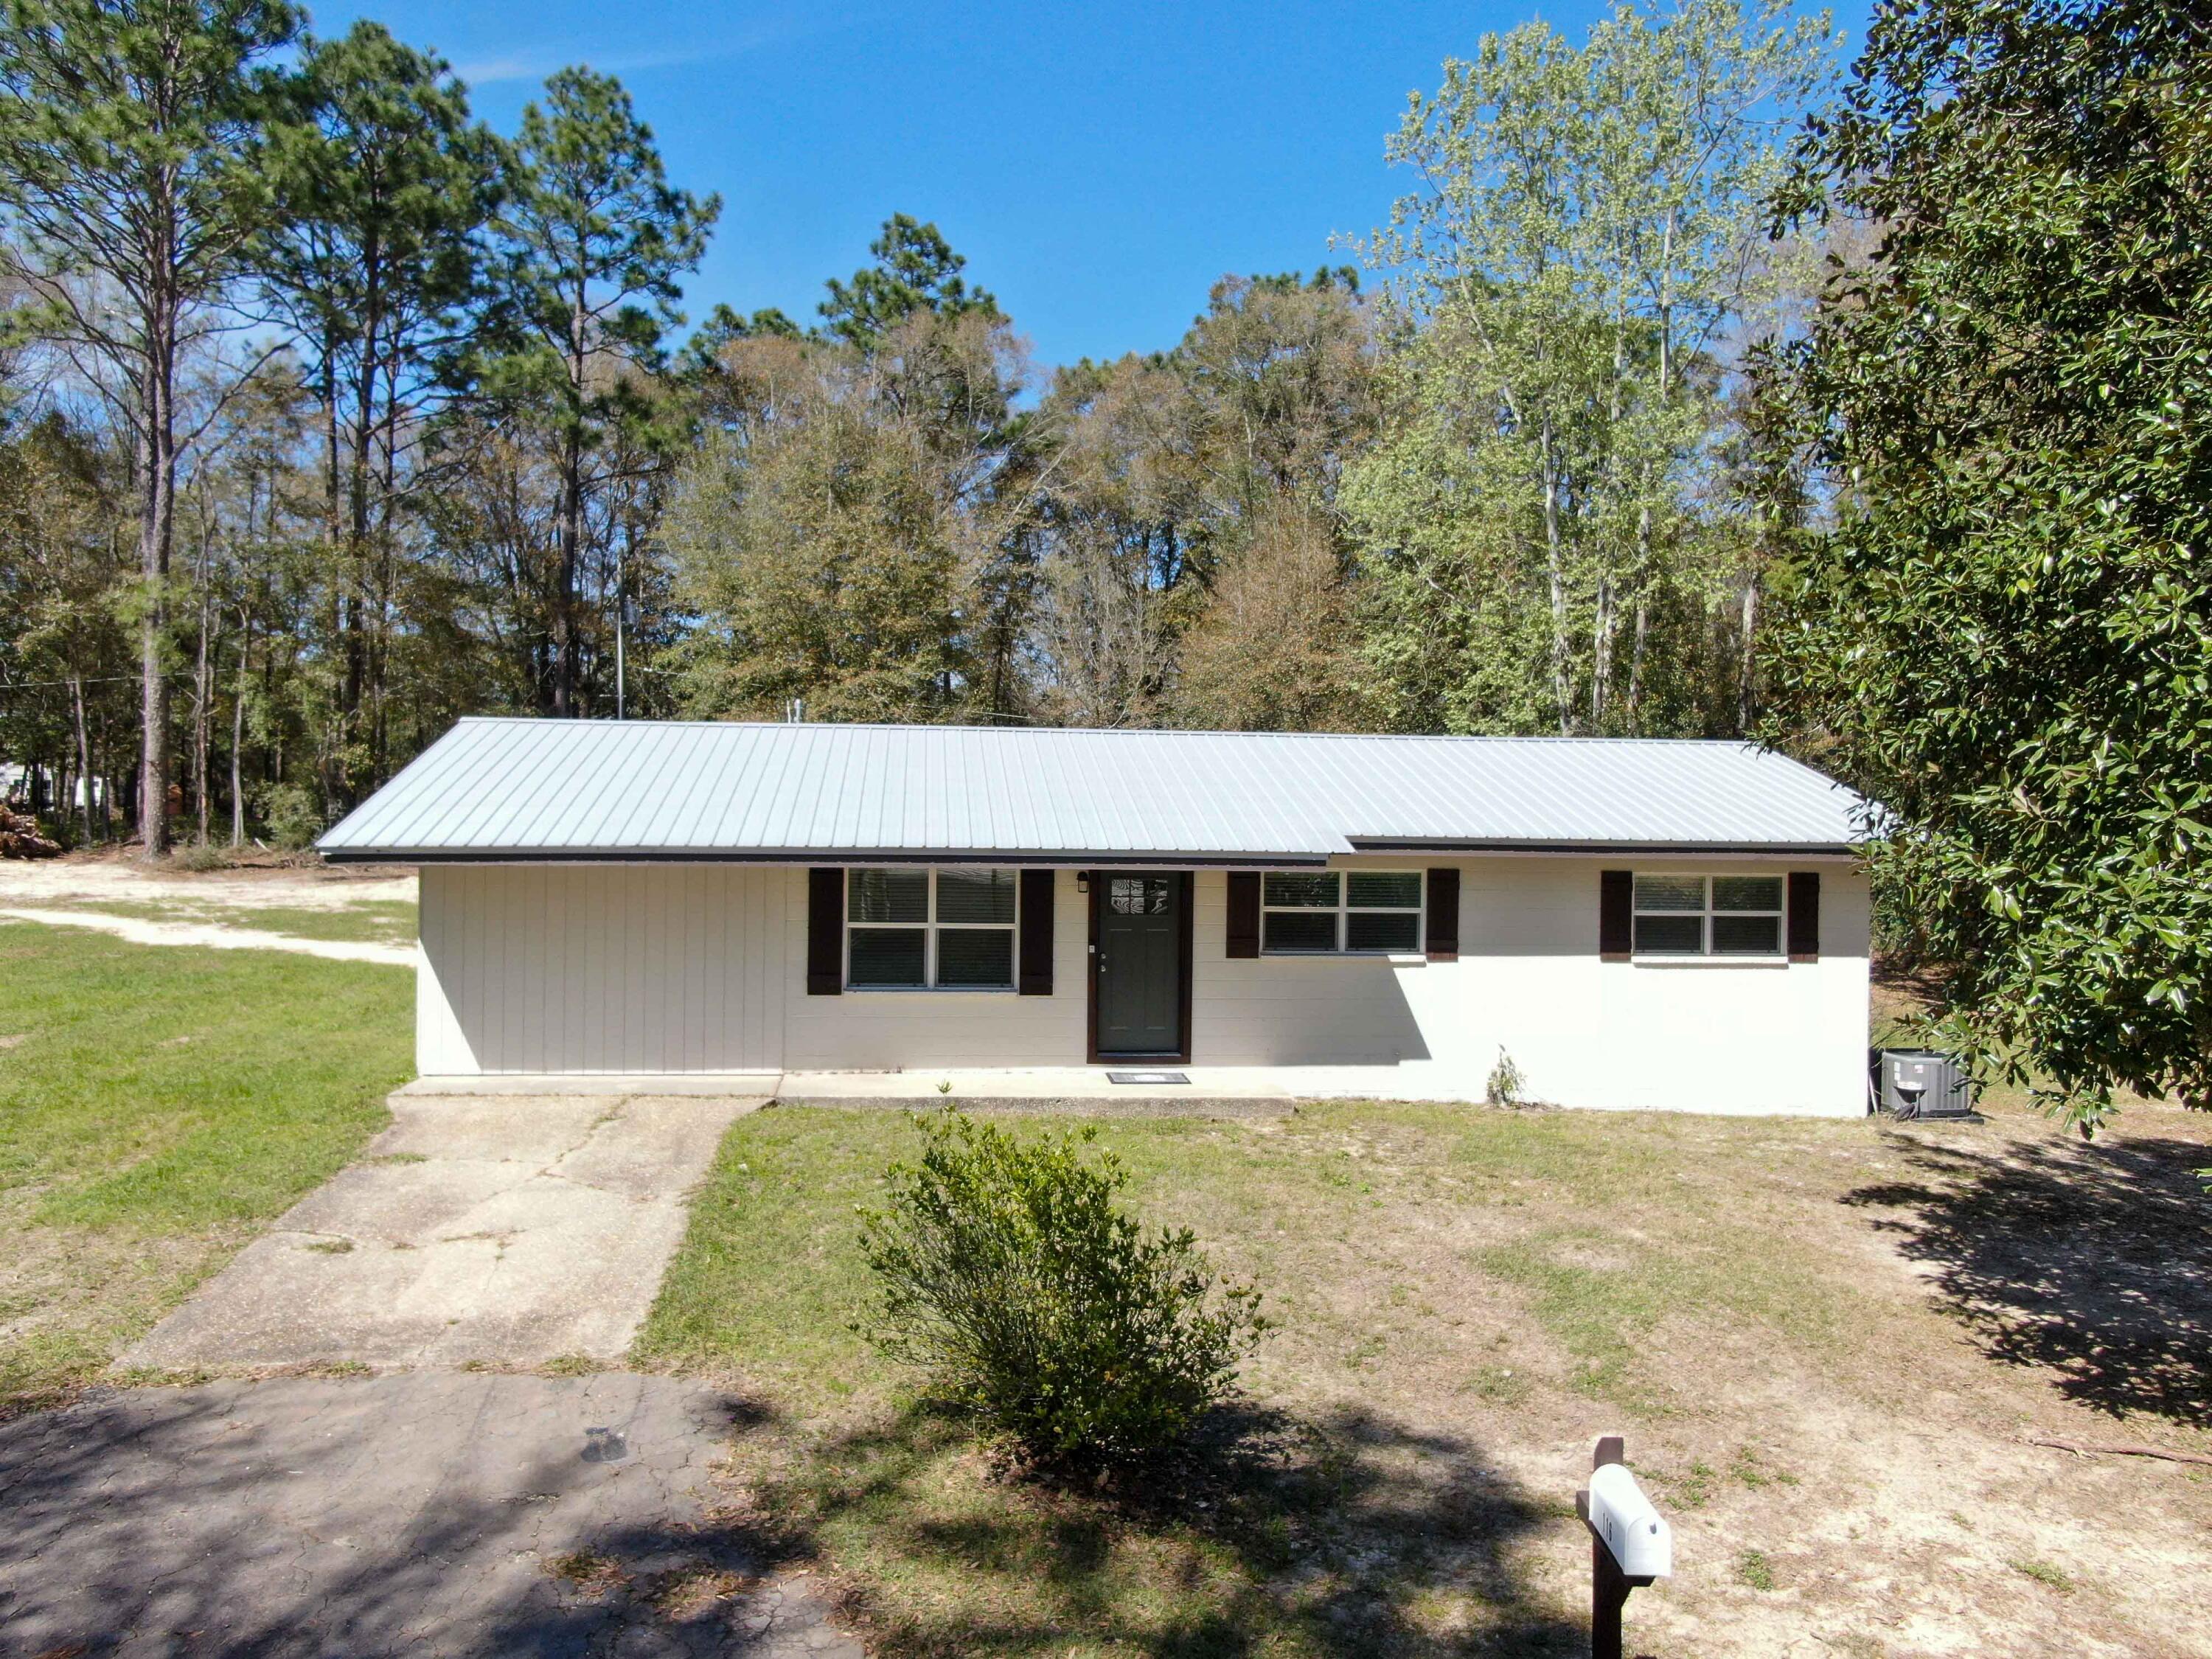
<point x="293" y="814"/>
<point x="1008" y="1274"/>
<point x="1505" y="1083"/>
<point x="200" y="858"/>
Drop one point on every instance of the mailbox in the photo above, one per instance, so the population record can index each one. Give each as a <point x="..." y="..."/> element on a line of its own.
<point x="1634" y="1533"/>
<point x="1630" y="1542"/>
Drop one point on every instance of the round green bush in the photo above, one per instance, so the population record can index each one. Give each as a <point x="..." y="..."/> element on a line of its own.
<point x="1006" y="1272"/>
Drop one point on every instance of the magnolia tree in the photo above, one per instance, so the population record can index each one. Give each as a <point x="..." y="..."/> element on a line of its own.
<point x="2008" y="636"/>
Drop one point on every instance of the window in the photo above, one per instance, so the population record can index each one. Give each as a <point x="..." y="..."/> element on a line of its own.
<point x="1708" y="915"/>
<point x="910" y="930"/>
<point x="1310" y="913"/>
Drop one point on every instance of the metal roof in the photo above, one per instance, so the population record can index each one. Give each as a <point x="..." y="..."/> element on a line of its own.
<point x="515" y="789"/>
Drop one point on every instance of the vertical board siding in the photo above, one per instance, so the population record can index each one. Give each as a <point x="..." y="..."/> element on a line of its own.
<point x="894" y="1031"/>
<point x="703" y="969"/>
<point x="601" y="969"/>
<point x="1704" y="1037"/>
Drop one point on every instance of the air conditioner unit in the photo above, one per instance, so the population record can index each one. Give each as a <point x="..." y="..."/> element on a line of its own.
<point x="1917" y="1083"/>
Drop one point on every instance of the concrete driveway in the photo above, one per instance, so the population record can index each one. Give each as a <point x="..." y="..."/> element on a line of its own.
<point x="501" y="1229"/>
<point x="430" y="1513"/>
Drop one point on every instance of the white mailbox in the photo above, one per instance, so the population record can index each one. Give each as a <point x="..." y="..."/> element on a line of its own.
<point x="1635" y="1533"/>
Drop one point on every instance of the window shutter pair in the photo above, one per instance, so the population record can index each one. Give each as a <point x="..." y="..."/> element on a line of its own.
<point x="1442" y="943"/>
<point x="1616" y="915"/>
<point x="825" y="933"/>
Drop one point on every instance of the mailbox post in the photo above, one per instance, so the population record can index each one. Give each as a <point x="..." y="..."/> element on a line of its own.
<point x="1630" y="1544"/>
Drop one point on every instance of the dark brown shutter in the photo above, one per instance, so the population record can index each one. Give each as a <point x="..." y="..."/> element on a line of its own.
<point x="1616" y="914"/>
<point x="825" y="933"/>
<point x="1444" y="915"/>
<point x="1036" y="932"/>
<point x="1243" y="913"/>
<point x="1804" y="915"/>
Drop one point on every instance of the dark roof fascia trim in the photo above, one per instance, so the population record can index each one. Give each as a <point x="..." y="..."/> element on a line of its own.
<point x="1600" y="848"/>
<point x="834" y="855"/>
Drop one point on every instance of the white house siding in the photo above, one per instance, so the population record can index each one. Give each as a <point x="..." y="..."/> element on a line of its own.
<point x="1705" y="1035"/>
<point x="583" y="969"/>
<point x="888" y="1030"/>
<point x="702" y="968"/>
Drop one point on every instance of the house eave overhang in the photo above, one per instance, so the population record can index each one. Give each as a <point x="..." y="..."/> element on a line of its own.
<point x="1608" y="848"/>
<point x="1067" y="859"/>
<point x="1077" y="857"/>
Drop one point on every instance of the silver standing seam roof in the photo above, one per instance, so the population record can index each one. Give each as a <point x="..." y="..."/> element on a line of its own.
<point x="519" y="789"/>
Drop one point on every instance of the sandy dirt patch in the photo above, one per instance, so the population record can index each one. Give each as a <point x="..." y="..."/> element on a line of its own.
<point x="47" y="881"/>
<point x="214" y="936"/>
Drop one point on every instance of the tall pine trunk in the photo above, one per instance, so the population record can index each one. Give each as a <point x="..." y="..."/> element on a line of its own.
<point x="157" y="458"/>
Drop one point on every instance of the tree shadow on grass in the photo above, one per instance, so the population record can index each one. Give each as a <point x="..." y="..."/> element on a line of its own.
<point x="1354" y="1535"/>
<point x="513" y="1516"/>
<point x="2091" y="1262"/>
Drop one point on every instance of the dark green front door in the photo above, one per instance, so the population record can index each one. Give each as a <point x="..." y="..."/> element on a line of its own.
<point x="1139" y="967"/>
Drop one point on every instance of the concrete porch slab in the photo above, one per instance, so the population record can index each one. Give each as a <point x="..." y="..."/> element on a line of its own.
<point x="587" y="1084"/>
<point x="1212" y="1091"/>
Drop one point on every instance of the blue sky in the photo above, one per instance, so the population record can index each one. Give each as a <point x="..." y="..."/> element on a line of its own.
<point x="1099" y="165"/>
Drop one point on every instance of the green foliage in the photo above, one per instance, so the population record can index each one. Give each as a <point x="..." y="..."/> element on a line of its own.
<point x="597" y="238"/>
<point x="1541" y="543"/>
<point x="293" y="813"/>
<point x="2008" y="638"/>
<point x="1505" y="1082"/>
<point x="1008" y="1274"/>
<point x="916" y="269"/>
<point x="125" y="129"/>
<point x="852" y="532"/>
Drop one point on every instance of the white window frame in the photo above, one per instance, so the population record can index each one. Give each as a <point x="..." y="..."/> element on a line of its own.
<point x="930" y="928"/>
<point x="1344" y="909"/>
<point x="1705" y="952"/>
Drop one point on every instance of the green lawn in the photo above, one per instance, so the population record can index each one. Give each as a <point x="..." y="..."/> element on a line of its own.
<point x="1433" y="1270"/>
<point x="157" y="1106"/>
<point x="1465" y="1297"/>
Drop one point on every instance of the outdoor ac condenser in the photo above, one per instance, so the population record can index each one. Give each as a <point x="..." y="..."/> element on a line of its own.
<point x="1921" y="1083"/>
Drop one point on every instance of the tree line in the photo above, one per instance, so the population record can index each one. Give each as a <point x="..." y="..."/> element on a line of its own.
<point x="1687" y="390"/>
<point x="331" y="415"/>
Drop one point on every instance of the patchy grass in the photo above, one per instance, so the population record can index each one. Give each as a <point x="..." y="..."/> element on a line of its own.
<point x="1753" y="1571"/>
<point x="163" y="1105"/>
<point x="2043" y="1573"/>
<point x="370" y="922"/>
<point x="1466" y="1296"/>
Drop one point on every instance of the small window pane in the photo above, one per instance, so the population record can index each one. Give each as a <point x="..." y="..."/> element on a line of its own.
<point x="975" y="896"/>
<point x="888" y="955"/>
<point x="888" y="895"/>
<point x="1670" y="892"/>
<point x="1381" y="930"/>
<point x="975" y="955"/>
<point x="1671" y="936"/>
<point x="1747" y="892"/>
<point x="1747" y="936"/>
<point x="1316" y="891"/>
<point x="1384" y="890"/>
<point x="1290" y="930"/>
<point x="1136" y="896"/>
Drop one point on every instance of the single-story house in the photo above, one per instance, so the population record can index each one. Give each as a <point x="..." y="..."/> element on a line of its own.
<point x="1632" y="923"/>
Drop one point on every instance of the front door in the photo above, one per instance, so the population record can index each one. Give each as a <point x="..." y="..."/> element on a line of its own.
<point x="1138" y="981"/>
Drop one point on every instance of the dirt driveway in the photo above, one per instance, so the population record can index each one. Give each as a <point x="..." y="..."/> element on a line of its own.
<point x="502" y="1229"/>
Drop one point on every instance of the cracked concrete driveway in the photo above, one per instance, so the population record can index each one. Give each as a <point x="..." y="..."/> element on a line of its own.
<point x="502" y="1229"/>
<point x="433" y="1513"/>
